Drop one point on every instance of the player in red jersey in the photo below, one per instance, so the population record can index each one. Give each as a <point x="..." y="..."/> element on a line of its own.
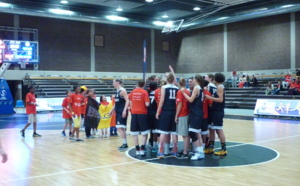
<point x="182" y="118"/>
<point x="139" y="101"/>
<point x="31" y="112"/>
<point x="75" y="109"/>
<point x="66" y="114"/>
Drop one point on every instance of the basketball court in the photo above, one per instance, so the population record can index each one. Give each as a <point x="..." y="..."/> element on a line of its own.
<point x="260" y="152"/>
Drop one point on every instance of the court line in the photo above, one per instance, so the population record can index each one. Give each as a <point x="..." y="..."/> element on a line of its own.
<point x="148" y="161"/>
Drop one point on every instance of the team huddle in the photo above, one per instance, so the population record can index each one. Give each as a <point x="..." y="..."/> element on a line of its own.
<point x="165" y="112"/>
<point x="196" y="114"/>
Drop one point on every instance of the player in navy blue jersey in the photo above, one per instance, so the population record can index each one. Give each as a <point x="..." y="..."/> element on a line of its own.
<point x="151" y="115"/>
<point x="195" y="116"/>
<point x="166" y="112"/>
<point x="121" y="105"/>
<point x="212" y="90"/>
<point x="218" y="106"/>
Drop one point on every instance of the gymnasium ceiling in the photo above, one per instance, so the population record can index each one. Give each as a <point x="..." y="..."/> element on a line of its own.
<point x="140" y="13"/>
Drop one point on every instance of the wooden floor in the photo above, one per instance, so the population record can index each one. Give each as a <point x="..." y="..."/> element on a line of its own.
<point x="54" y="160"/>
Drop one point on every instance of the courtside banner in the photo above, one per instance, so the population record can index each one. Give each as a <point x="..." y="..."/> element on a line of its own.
<point x="53" y="104"/>
<point x="275" y="107"/>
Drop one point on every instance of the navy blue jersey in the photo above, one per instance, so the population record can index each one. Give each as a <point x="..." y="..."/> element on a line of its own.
<point x="216" y="105"/>
<point x="153" y="106"/>
<point x="170" y="97"/>
<point x="212" y="88"/>
<point x="119" y="101"/>
<point x="196" y="107"/>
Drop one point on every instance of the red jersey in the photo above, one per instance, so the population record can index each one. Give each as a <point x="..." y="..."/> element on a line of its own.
<point x="30" y="108"/>
<point x="84" y="103"/>
<point x="76" y="103"/>
<point x="287" y="78"/>
<point x="157" y="96"/>
<point x="293" y="85"/>
<point x="66" y="110"/>
<point x="138" y="98"/>
<point x="206" y="103"/>
<point x="185" y="104"/>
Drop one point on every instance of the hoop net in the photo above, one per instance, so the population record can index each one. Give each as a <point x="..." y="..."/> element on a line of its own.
<point x="23" y="63"/>
<point x="172" y="26"/>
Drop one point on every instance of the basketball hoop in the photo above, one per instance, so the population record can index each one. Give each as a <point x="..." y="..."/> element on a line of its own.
<point x="23" y="63"/>
<point x="172" y="26"/>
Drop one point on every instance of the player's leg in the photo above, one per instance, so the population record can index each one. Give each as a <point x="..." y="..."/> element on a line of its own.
<point x="219" y="129"/>
<point x="195" y="126"/>
<point x="35" y="134"/>
<point x="144" y="129"/>
<point x="121" y="126"/>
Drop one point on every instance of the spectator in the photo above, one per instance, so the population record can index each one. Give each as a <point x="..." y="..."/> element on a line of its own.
<point x="297" y="72"/>
<point x="242" y="81"/>
<point x="292" y="88"/>
<point x="253" y="82"/>
<point x="269" y="88"/>
<point x="278" y="88"/>
<point x="234" y="78"/>
<point x="287" y="81"/>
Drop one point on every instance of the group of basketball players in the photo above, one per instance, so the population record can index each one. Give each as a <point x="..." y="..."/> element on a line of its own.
<point x="169" y="111"/>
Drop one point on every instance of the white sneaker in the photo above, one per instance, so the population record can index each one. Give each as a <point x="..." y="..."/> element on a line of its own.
<point x="198" y="156"/>
<point x="142" y="152"/>
<point x="137" y="152"/>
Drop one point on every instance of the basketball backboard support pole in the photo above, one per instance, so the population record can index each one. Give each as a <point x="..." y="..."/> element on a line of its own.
<point x="36" y="67"/>
<point x="3" y="68"/>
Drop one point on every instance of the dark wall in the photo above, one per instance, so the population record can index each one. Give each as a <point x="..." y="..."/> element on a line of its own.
<point x="201" y="50"/>
<point x="6" y="19"/>
<point x="165" y="58"/>
<point x="297" y="40"/>
<point x="123" y="48"/>
<point x="63" y="45"/>
<point x="259" y="44"/>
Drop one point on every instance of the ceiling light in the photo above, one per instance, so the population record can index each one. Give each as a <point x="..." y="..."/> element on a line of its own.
<point x="263" y="9"/>
<point x="149" y="1"/>
<point x="165" y="16"/>
<point x="221" y="18"/>
<point x="116" y="18"/>
<point x="64" y="2"/>
<point x="5" y="5"/>
<point x="197" y="8"/>
<point x="159" y="23"/>
<point x="61" y="11"/>
<point x="119" y="9"/>
<point x="287" y="6"/>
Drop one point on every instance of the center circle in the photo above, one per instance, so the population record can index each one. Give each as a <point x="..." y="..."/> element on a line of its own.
<point x="239" y="154"/>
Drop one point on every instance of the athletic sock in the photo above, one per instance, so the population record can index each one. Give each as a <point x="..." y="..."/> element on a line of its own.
<point x="142" y="147"/>
<point x="137" y="147"/>
<point x="223" y="146"/>
<point x="207" y="142"/>
<point x="155" y="144"/>
<point x="166" y="147"/>
<point x="175" y="148"/>
<point x="124" y="141"/>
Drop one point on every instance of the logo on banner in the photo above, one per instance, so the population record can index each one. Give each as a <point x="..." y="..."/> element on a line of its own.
<point x="3" y="95"/>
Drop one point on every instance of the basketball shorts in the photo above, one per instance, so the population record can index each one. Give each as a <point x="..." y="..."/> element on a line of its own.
<point x="77" y="121"/>
<point x="167" y="123"/>
<point x="182" y="127"/>
<point x="204" y="128"/>
<point x="120" y="121"/>
<point x="195" y="123"/>
<point x="32" y="118"/>
<point x="139" y="124"/>
<point x="217" y="120"/>
<point x="68" y="121"/>
<point x="152" y="123"/>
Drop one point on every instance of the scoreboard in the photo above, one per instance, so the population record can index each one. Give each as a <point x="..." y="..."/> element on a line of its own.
<point x="13" y="51"/>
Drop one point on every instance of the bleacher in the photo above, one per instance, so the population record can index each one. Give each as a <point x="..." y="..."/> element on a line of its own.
<point x="245" y="98"/>
<point x="56" y="86"/>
